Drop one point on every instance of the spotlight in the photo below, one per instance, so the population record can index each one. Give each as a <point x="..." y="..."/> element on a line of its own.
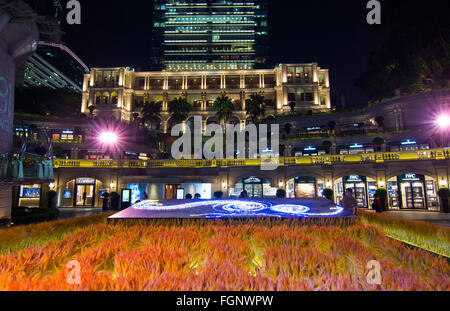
<point x="443" y="121"/>
<point x="108" y="138"/>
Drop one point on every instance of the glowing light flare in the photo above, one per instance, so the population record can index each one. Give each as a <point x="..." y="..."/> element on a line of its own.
<point x="443" y="121"/>
<point x="108" y="138"/>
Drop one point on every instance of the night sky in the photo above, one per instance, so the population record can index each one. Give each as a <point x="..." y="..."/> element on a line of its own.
<point x="332" y="33"/>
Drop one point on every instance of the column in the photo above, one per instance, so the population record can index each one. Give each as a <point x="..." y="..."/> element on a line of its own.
<point x="242" y="95"/>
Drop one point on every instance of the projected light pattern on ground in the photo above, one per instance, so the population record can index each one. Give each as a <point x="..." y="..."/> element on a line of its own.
<point x="237" y="208"/>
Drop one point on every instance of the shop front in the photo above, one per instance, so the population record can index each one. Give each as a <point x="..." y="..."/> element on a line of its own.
<point x="364" y="188"/>
<point x="30" y="195"/>
<point x="304" y="187"/>
<point x="82" y="192"/>
<point x="255" y="187"/>
<point x="413" y="192"/>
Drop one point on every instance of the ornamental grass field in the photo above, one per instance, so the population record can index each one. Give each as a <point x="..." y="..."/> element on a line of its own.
<point x="253" y="255"/>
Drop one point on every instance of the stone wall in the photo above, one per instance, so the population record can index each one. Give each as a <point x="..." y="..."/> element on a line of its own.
<point x="17" y="42"/>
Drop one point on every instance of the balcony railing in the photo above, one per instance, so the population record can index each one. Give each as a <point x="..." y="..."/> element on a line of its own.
<point x="422" y="155"/>
<point x="30" y="167"/>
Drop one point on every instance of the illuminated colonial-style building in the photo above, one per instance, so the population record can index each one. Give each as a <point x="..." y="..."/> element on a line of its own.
<point x="121" y="92"/>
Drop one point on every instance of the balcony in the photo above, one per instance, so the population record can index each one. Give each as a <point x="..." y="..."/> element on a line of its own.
<point x="421" y="155"/>
<point x="30" y="168"/>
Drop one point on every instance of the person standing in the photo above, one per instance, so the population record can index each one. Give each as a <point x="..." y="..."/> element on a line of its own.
<point x="349" y="202"/>
<point x="377" y="204"/>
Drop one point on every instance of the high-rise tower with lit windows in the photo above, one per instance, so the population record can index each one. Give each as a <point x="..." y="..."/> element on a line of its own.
<point x="209" y="34"/>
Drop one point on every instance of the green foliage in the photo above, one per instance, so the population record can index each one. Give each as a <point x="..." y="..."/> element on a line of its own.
<point x="415" y="56"/>
<point x="218" y="194"/>
<point x="25" y="216"/>
<point x="115" y="200"/>
<point x="255" y="107"/>
<point x="179" y="109"/>
<point x="444" y="193"/>
<point x="428" y="236"/>
<point x="43" y="101"/>
<point x="223" y="107"/>
<point x="281" y="193"/>
<point x="378" y="141"/>
<point x="328" y="193"/>
<point x="327" y="145"/>
<point x="151" y="112"/>
<point x="382" y="193"/>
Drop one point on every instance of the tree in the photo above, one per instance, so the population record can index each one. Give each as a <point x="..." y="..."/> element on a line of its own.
<point x="415" y="55"/>
<point x="151" y="112"/>
<point x="255" y="107"/>
<point x="288" y="128"/>
<point x="327" y="145"/>
<point x="224" y="108"/>
<point x="91" y="110"/>
<point x="292" y="105"/>
<point x="43" y="100"/>
<point x="179" y="109"/>
<point x="380" y="121"/>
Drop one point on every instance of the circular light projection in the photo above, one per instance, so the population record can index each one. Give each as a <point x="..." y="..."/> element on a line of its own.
<point x="227" y="208"/>
<point x="293" y="209"/>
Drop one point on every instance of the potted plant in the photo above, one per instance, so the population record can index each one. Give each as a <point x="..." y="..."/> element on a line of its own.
<point x="281" y="194"/>
<point x="328" y="193"/>
<point x="51" y="202"/>
<point x="218" y="194"/>
<point x="383" y="195"/>
<point x="444" y="194"/>
<point x="105" y="197"/>
<point x="115" y="200"/>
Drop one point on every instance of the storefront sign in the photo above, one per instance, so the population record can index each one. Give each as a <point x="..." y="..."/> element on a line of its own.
<point x="411" y="177"/>
<point x="305" y="180"/>
<point x="354" y="179"/>
<point x="85" y="181"/>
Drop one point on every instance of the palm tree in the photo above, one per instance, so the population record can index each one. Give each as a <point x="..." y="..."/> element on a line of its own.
<point x="380" y="121"/>
<point x="151" y="112"/>
<point x="255" y="106"/>
<point x="91" y="110"/>
<point x="224" y="108"/>
<point x="179" y="109"/>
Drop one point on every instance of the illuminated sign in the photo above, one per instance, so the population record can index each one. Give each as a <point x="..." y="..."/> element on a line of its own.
<point x="315" y="128"/>
<point x="411" y="177"/>
<point x="409" y="142"/>
<point x="354" y="146"/>
<point x="85" y="181"/>
<point x="354" y="179"/>
<point x="126" y="196"/>
<point x="310" y="148"/>
<point x="67" y="132"/>
<point x="67" y="194"/>
<point x="180" y="194"/>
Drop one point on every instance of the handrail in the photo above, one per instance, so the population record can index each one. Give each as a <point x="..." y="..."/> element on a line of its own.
<point x="420" y="155"/>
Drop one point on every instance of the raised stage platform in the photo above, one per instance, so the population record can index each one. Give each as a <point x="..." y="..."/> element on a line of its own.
<point x="233" y="209"/>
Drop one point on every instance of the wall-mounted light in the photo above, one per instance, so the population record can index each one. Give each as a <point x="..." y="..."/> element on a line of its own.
<point x="329" y="184"/>
<point x="381" y="184"/>
<point x="52" y="186"/>
<point x="112" y="185"/>
<point x="443" y="183"/>
<point x="281" y="184"/>
<point x="224" y="184"/>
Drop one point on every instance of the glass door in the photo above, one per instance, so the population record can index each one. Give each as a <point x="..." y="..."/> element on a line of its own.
<point x="85" y="195"/>
<point x="413" y="195"/>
